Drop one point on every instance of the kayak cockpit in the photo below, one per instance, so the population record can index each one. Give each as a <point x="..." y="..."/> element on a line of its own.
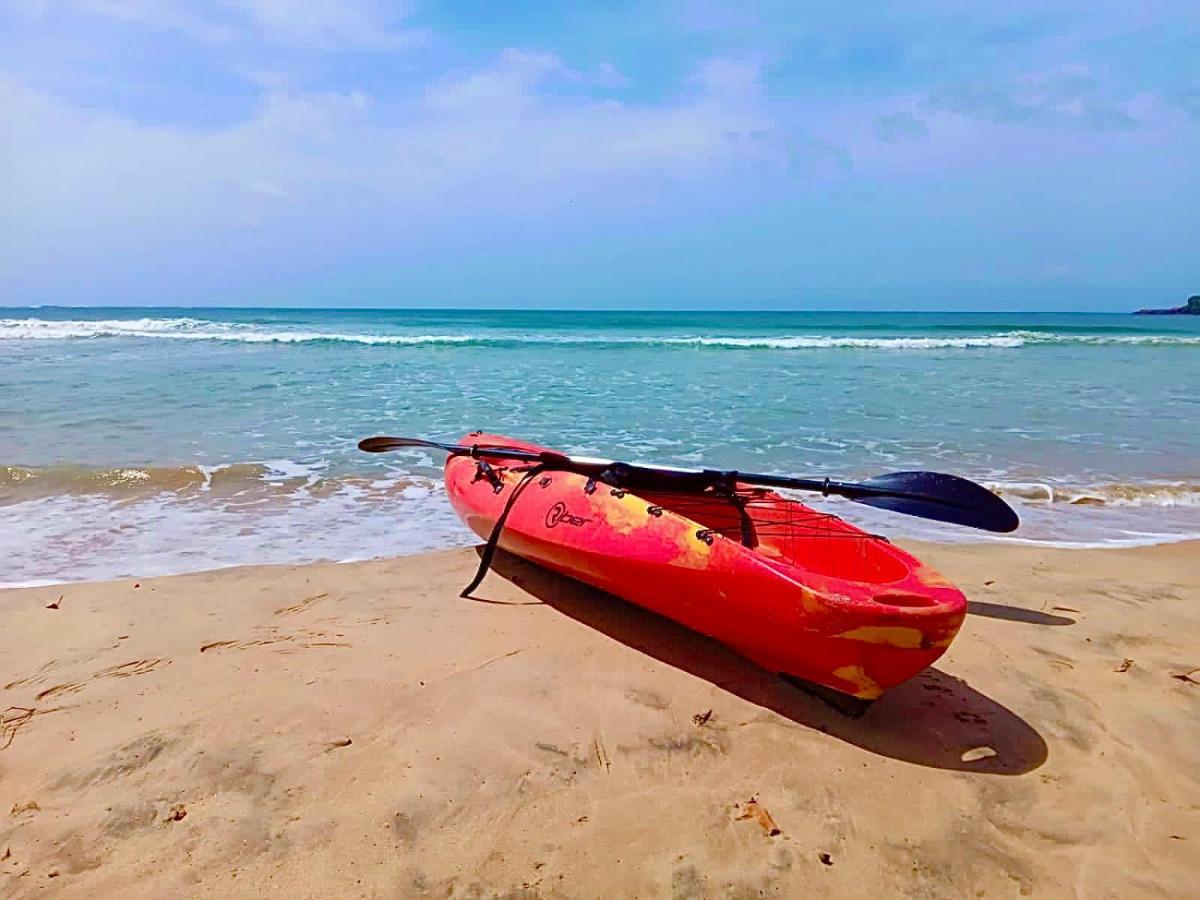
<point x="789" y="532"/>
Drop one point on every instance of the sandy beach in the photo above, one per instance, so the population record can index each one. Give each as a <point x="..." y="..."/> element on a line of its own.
<point x="359" y="730"/>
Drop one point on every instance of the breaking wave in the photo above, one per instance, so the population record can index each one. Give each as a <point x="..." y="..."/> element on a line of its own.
<point x="65" y="522"/>
<point x="191" y="329"/>
<point x="1141" y="494"/>
<point x="287" y="477"/>
<point x="241" y="482"/>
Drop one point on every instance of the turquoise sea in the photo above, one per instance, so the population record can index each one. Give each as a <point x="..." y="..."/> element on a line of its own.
<point x="162" y="440"/>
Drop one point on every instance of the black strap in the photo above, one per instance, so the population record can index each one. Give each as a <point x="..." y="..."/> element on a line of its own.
<point x="728" y="490"/>
<point x="493" y="541"/>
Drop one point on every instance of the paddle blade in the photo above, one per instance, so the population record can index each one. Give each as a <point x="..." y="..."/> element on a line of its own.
<point x="941" y="497"/>
<point x="383" y="443"/>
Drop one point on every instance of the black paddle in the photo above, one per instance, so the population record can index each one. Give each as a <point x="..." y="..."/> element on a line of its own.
<point x="927" y="495"/>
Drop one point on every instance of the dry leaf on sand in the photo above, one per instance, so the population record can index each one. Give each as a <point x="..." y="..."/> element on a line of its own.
<point x="752" y="809"/>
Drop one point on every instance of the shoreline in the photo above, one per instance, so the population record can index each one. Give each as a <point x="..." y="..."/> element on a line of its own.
<point x="970" y="541"/>
<point x="134" y="525"/>
<point x="357" y="729"/>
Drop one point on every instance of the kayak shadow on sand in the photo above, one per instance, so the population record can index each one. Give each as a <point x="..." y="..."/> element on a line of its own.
<point x="1015" y="614"/>
<point x="931" y="720"/>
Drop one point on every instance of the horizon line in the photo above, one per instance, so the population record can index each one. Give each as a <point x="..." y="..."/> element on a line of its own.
<point x="597" y="309"/>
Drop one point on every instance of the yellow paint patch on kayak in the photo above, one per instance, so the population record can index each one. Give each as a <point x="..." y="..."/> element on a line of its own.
<point x="693" y="552"/>
<point x="624" y="515"/>
<point x="931" y="577"/>
<point x="811" y="601"/>
<point x="891" y="635"/>
<point x="866" y="687"/>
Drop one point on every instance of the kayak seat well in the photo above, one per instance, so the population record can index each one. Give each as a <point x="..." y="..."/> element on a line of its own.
<point x="789" y="532"/>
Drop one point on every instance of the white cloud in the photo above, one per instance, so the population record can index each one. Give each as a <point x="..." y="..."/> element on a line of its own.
<point x="900" y="126"/>
<point x="512" y="79"/>
<point x="1068" y="97"/>
<point x="331" y="25"/>
<point x="500" y="88"/>
<point x="500" y="138"/>
<point x="730" y="78"/>
<point x="168" y="15"/>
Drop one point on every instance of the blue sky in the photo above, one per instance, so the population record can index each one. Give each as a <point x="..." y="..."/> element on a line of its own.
<point x="953" y="155"/>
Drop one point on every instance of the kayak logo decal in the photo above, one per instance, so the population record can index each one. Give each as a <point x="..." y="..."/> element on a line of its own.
<point x="558" y="514"/>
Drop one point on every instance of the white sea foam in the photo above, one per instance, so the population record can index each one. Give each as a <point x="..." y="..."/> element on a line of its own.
<point x="111" y="523"/>
<point x="1043" y="524"/>
<point x="1132" y="494"/>
<point x="73" y="537"/>
<point x="191" y="329"/>
<point x="185" y="329"/>
<point x="56" y="329"/>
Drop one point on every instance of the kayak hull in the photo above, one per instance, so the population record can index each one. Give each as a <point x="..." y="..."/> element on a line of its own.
<point x="798" y="592"/>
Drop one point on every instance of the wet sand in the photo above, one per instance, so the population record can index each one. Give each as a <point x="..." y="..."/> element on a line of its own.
<point x="359" y="730"/>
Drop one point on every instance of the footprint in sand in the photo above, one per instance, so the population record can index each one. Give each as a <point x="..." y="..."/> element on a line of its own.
<point x="70" y="687"/>
<point x="601" y="752"/>
<point x="244" y="645"/>
<point x="36" y="678"/>
<point x="13" y="720"/>
<point x="301" y="605"/>
<point x="123" y="670"/>
<point x="291" y="643"/>
<point x="135" y="667"/>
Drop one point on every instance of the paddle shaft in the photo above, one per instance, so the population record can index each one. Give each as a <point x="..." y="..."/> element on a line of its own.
<point x="949" y="498"/>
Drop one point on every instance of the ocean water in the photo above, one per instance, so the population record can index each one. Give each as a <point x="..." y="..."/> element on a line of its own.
<point x="144" y="441"/>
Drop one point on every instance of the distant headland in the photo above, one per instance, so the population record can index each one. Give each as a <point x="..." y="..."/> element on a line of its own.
<point x="1191" y="308"/>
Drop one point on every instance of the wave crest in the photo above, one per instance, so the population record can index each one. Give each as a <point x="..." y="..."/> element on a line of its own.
<point x="191" y="329"/>
<point x="1138" y="494"/>
<point x="281" y="477"/>
<point x="250" y="480"/>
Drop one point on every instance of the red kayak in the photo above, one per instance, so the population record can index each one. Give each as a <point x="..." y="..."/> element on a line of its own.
<point x="799" y="592"/>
